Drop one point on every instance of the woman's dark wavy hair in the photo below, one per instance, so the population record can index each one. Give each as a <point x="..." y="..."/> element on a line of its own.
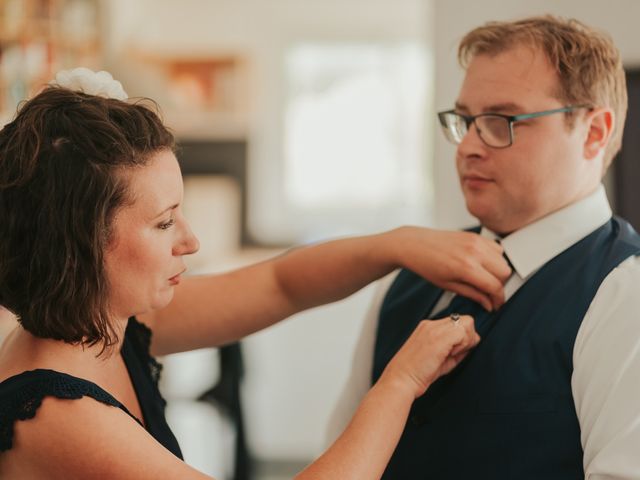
<point x="61" y="183"/>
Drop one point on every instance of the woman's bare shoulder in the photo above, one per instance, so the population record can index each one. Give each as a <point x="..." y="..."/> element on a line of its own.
<point x="83" y="438"/>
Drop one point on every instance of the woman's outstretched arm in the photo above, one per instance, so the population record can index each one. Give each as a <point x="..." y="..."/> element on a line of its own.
<point x="365" y="447"/>
<point x="213" y="310"/>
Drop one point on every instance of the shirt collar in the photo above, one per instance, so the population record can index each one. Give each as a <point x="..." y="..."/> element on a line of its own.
<point x="534" y="245"/>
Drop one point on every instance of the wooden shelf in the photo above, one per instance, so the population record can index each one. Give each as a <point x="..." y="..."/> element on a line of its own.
<point x="203" y="94"/>
<point x="39" y="38"/>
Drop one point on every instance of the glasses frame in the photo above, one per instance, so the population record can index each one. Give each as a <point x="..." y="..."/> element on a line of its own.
<point x="511" y="119"/>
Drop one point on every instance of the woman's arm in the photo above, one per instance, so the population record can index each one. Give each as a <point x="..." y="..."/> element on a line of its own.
<point x="364" y="449"/>
<point x="85" y="439"/>
<point x="101" y="441"/>
<point x="217" y="309"/>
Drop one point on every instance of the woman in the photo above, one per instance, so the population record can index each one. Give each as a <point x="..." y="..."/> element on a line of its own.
<point x="91" y="263"/>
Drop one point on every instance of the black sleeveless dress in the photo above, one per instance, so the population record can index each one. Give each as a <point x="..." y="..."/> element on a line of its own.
<point x="22" y="394"/>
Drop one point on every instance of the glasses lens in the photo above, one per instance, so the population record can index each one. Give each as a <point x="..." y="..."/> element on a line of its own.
<point x="494" y="130"/>
<point x="453" y="126"/>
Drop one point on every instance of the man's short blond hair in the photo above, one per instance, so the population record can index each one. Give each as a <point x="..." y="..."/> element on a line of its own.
<point x="587" y="62"/>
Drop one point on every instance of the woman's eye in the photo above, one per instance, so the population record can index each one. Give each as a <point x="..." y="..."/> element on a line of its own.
<point x="167" y="224"/>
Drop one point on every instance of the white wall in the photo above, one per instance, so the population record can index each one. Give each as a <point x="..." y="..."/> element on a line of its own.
<point x="453" y="18"/>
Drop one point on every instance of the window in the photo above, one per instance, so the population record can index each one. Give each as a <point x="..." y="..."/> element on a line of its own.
<point x="354" y="136"/>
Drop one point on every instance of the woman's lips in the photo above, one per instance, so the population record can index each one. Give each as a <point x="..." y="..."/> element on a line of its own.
<point x="175" y="280"/>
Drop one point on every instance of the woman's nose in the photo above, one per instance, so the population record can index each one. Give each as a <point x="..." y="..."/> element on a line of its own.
<point x="188" y="243"/>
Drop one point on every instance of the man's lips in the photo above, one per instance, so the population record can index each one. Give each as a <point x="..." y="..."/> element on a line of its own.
<point x="475" y="180"/>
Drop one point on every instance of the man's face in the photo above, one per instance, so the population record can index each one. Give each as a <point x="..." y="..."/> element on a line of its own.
<point x="544" y="170"/>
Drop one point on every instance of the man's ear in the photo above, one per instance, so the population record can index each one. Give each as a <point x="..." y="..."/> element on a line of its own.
<point x="600" y="127"/>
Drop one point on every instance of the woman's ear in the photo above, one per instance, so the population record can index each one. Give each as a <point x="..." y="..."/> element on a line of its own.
<point x="599" y="130"/>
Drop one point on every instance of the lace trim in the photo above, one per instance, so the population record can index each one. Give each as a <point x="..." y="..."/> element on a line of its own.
<point x="23" y="402"/>
<point x="144" y="334"/>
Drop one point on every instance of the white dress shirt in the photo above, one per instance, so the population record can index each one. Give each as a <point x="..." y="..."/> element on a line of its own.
<point x="606" y="354"/>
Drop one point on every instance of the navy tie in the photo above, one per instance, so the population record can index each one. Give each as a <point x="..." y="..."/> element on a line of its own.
<point x="466" y="306"/>
<point x="426" y="406"/>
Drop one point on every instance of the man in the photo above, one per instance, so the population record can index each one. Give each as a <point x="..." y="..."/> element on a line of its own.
<point x="552" y="390"/>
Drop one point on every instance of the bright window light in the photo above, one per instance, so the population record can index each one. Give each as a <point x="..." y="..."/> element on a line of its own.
<point x="354" y="127"/>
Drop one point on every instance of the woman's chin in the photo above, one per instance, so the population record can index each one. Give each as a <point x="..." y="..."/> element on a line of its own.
<point x="163" y="299"/>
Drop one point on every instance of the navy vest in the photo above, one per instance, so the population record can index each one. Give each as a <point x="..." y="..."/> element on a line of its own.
<point x="507" y="411"/>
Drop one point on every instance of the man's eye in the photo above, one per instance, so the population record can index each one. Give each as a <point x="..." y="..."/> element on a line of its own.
<point x="167" y="224"/>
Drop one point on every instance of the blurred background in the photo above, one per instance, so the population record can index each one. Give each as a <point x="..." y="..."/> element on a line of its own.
<point x="297" y="120"/>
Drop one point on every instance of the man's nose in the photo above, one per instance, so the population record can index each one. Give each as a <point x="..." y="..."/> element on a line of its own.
<point x="471" y="143"/>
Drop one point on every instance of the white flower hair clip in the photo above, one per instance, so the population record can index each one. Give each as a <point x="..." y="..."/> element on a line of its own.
<point x="85" y="80"/>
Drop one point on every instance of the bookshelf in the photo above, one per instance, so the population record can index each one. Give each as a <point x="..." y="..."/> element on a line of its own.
<point x="40" y="37"/>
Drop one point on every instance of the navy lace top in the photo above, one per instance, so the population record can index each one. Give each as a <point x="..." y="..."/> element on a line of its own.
<point x="21" y="395"/>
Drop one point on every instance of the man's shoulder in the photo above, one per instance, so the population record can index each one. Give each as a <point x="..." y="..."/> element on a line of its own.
<point x="625" y="232"/>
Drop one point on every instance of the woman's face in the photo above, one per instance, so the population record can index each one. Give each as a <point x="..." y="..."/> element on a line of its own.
<point x="143" y="261"/>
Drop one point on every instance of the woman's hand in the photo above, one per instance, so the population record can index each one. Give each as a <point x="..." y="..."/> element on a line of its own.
<point x="462" y="262"/>
<point x="433" y="349"/>
<point x="365" y="447"/>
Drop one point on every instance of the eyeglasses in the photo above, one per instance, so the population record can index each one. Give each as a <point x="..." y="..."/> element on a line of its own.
<point x="494" y="129"/>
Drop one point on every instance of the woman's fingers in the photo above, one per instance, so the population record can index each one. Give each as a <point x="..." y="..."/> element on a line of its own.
<point x="452" y="362"/>
<point x="434" y="348"/>
<point x="463" y="262"/>
<point x="470" y="338"/>
<point x="467" y="340"/>
<point x="489" y="278"/>
<point x="498" y="266"/>
<point x="481" y="274"/>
